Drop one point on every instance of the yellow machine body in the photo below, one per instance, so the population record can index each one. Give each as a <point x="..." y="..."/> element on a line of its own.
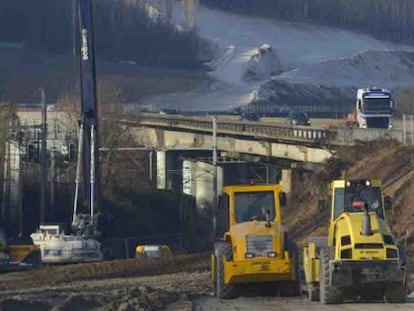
<point x="363" y="252"/>
<point x="26" y="253"/>
<point x="258" y="244"/>
<point x="153" y="251"/>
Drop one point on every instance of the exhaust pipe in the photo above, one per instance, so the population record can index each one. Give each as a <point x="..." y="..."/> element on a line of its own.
<point x="268" y="225"/>
<point x="366" y="223"/>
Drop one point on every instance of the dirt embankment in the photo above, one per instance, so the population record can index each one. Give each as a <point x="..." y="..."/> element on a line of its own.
<point x="117" y="285"/>
<point x="385" y="160"/>
<point x="167" y="291"/>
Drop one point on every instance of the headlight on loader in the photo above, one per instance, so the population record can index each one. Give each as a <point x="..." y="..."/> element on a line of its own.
<point x="271" y="255"/>
<point x="249" y="255"/>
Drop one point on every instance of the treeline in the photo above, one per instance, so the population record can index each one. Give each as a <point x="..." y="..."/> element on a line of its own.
<point x="123" y="31"/>
<point x="12" y="23"/>
<point x="387" y="19"/>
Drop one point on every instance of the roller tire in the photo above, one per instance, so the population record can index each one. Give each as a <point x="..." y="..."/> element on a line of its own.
<point x="328" y="294"/>
<point x="395" y="293"/>
<point x="223" y="290"/>
<point x="292" y="288"/>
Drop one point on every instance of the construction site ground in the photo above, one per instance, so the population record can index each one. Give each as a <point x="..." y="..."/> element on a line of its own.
<point x="177" y="291"/>
<point x="182" y="282"/>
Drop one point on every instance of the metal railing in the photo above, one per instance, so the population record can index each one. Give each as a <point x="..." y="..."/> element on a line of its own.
<point x="239" y="128"/>
<point x="296" y="135"/>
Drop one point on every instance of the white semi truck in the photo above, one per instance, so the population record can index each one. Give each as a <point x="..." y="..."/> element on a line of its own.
<point x="374" y="108"/>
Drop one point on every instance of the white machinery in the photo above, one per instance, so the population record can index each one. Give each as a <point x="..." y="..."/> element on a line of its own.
<point x="80" y="245"/>
<point x="374" y="108"/>
<point x="57" y="247"/>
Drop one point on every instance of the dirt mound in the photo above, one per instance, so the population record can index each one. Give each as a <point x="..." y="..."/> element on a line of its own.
<point x="111" y="269"/>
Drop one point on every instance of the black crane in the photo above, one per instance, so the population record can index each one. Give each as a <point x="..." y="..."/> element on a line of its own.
<point x="88" y="159"/>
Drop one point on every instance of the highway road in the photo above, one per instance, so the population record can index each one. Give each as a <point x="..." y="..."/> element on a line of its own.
<point x="315" y="122"/>
<point x="292" y="304"/>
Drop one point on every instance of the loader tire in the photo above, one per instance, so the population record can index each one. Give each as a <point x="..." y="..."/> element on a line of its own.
<point x="328" y="294"/>
<point x="395" y="293"/>
<point x="223" y="290"/>
<point x="313" y="292"/>
<point x="293" y="288"/>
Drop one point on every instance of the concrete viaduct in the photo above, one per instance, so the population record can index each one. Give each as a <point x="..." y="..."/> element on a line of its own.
<point x="178" y="139"/>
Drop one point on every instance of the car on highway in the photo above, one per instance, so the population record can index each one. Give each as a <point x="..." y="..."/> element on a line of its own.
<point x="298" y="118"/>
<point x="249" y="116"/>
<point x="168" y="111"/>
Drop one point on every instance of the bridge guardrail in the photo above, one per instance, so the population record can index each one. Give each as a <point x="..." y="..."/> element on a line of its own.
<point x="347" y="136"/>
<point x="240" y="128"/>
<point x="312" y="135"/>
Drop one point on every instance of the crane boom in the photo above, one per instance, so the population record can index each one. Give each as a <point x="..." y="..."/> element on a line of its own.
<point x="81" y="245"/>
<point x="89" y="114"/>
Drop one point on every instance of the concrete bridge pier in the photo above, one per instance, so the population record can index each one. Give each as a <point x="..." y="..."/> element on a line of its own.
<point x="169" y="165"/>
<point x="286" y="182"/>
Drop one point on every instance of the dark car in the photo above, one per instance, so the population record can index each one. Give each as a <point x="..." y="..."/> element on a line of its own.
<point x="298" y="118"/>
<point x="168" y="111"/>
<point x="249" y="116"/>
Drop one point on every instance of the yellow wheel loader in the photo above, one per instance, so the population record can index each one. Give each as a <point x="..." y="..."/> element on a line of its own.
<point x="360" y="258"/>
<point x="254" y="248"/>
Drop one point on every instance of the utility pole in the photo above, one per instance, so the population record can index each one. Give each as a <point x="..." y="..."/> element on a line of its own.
<point x="5" y="212"/>
<point x="74" y="27"/>
<point x="43" y="159"/>
<point x="215" y="192"/>
<point x="52" y="181"/>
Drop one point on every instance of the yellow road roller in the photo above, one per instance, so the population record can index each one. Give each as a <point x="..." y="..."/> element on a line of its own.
<point x="360" y="258"/>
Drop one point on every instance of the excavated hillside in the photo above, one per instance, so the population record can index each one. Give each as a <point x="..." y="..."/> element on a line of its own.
<point x="386" y="160"/>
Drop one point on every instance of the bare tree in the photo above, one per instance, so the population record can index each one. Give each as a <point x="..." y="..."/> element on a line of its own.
<point x="119" y="168"/>
<point x="9" y="132"/>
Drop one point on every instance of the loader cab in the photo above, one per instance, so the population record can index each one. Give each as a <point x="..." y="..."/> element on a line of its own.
<point x="246" y="203"/>
<point x="351" y="196"/>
